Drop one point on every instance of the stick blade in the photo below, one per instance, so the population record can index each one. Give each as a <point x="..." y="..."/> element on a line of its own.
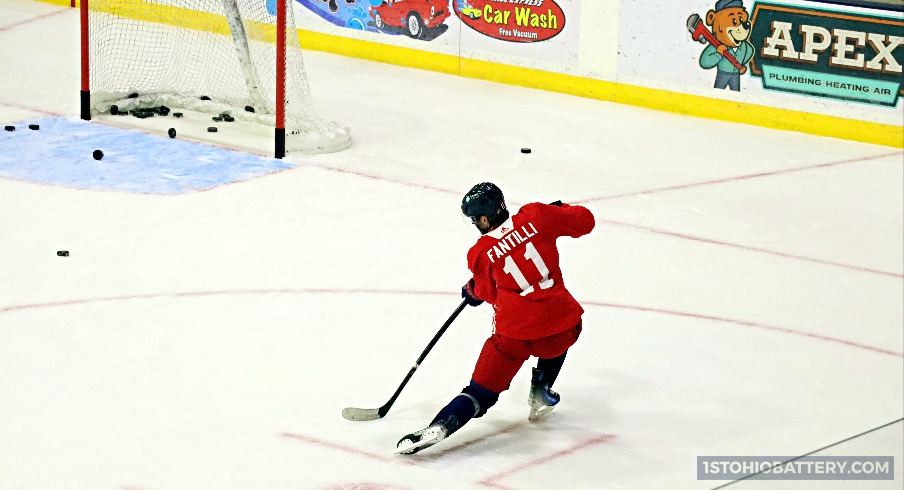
<point x="361" y="414"/>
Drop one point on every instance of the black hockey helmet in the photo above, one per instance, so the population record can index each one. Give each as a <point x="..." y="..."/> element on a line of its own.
<point x="484" y="199"/>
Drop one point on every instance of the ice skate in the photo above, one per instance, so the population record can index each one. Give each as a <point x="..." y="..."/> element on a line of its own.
<point x="421" y="439"/>
<point x="541" y="399"/>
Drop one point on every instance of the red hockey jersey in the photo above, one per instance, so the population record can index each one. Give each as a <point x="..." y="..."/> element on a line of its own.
<point x="516" y="269"/>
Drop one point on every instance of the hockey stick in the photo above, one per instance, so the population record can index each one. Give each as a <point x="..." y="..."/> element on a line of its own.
<point x="362" y="414"/>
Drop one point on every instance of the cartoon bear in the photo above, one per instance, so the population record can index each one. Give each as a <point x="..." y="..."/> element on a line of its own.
<point x="730" y="26"/>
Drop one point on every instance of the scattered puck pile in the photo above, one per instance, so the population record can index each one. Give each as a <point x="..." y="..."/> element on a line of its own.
<point x="222" y="117"/>
<point x="144" y="113"/>
<point x="162" y="110"/>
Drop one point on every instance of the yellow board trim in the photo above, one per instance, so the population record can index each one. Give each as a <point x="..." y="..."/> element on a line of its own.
<point x="662" y="100"/>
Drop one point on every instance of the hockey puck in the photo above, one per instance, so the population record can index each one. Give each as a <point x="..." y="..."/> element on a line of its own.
<point x="62" y="253"/>
<point x="204" y="97"/>
<point x="34" y="126"/>
<point x="98" y="154"/>
<point x="177" y="114"/>
<point x="217" y="118"/>
<point x="133" y="95"/>
<point x="228" y="118"/>
<point x="9" y="128"/>
<point x="212" y="129"/>
<point x="525" y="150"/>
<point x="248" y="108"/>
<point x="142" y="113"/>
<point x="171" y="132"/>
<point x="114" y="110"/>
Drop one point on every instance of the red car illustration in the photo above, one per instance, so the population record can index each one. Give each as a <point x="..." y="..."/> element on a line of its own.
<point x="415" y="16"/>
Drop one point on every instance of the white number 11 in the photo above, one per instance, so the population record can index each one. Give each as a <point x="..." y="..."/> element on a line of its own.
<point x="531" y="254"/>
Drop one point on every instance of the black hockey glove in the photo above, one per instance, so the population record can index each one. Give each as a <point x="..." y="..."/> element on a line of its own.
<point x="467" y="292"/>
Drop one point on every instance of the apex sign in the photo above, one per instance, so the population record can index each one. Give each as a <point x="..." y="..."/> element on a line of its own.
<point x="839" y="55"/>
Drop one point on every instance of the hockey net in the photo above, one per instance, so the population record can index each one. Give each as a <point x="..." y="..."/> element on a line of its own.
<point x="217" y="57"/>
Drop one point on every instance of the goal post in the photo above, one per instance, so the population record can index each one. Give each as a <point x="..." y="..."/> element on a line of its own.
<point x="233" y="59"/>
<point x="280" y="134"/>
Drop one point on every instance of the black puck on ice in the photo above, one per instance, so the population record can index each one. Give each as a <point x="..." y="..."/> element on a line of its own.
<point x="171" y="132"/>
<point x="177" y="114"/>
<point x="9" y="128"/>
<point x="228" y="118"/>
<point x="217" y="118"/>
<point x="204" y="97"/>
<point x="248" y="108"/>
<point x="98" y="154"/>
<point x="114" y="110"/>
<point x="34" y="126"/>
<point x="62" y="253"/>
<point x="525" y="150"/>
<point x="212" y="129"/>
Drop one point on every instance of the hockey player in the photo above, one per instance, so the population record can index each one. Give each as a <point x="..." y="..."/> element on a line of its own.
<point x="515" y="267"/>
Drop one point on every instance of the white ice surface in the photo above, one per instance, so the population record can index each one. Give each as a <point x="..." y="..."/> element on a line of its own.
<point x="742" y="298"/>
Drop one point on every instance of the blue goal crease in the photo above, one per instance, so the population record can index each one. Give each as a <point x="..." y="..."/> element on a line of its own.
<point x="61" y="151"/>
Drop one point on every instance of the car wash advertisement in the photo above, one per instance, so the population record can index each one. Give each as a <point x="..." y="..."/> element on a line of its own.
<point x="538" y="29"/>
<point x="518" y="21"/>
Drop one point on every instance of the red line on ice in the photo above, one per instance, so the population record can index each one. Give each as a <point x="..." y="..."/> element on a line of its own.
<point x="743" y="323"/>
<point x="29" y="21"/>
<point x="348" y="449"/>
<point x="491" y="480"/>
<point x="735" y="178"/>
<point x="195" y="294"/>
<point x="30" y="109"/>
<point x="378" y="178"/>
<point x="754" y="249"/>
<point x="470" y="442"/>
<point x="683" y="186"/>
<point x="579" y="201"/>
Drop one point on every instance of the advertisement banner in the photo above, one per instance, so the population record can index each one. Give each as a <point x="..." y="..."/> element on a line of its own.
<point x="820" y="53"/>
<point x="521" y="32"/>
<point x="512" y="20"/>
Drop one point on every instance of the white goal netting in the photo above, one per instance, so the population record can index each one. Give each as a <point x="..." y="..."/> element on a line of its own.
<point x="212" y="56"/>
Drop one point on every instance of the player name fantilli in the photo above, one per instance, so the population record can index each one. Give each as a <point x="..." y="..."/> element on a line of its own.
<point x="511" y="240"/>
